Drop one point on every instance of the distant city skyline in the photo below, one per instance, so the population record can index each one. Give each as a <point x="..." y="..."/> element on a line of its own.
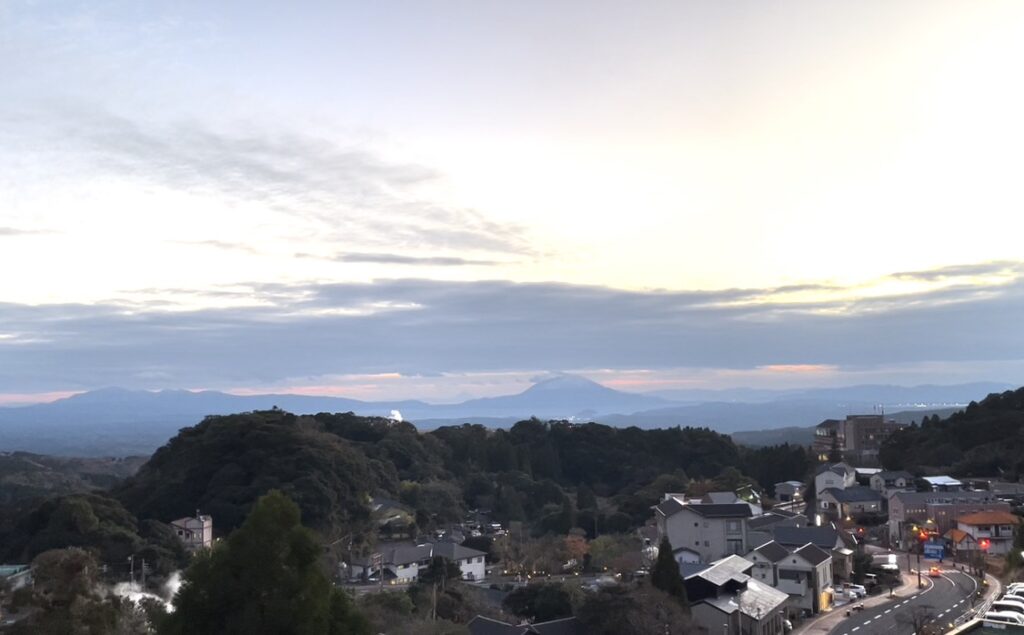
<point x="443" y="201"/>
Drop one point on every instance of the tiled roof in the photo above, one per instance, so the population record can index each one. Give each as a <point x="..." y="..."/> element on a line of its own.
<point x="481" y="625"/>
<point x="720" y="498"/>
<point x="669" y="507"/>
<point x="989" y="518"/>
<point x="823" y="537"/>
<point x="730" y="510"/>
<point x="728" y="568"/>
<point x="812" y="554"/>
<point x="564" y="626"/>
<point x="773" y="551"/>
<point x="452" y="551"/>
<point x="957" y="536"/>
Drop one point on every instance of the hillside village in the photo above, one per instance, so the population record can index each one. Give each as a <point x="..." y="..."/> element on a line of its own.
<point x="748" y="557"/>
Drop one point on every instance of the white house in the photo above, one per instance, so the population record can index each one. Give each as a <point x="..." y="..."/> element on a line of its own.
<point x="404" y="563"/>
<point x="804" y="574"/>
<point x="196" y="532"/>
<point x="846" y="503"/>
<point x="471" y="562"/>
<point x="996" y="527"/>
<point x="836" y="476"/>
<point x="703" y="532"/>
<point x="789" y="491"/>
<point x="888" y="483"/>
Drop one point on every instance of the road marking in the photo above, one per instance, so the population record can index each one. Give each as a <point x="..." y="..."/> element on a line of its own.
<point x="855" y="629"/>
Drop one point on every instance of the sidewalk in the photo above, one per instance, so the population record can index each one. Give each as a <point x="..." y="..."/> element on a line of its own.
<point x="828" y="620"/>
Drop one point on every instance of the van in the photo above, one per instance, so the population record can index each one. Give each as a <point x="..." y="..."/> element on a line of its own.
<point x="1004" y="617"/>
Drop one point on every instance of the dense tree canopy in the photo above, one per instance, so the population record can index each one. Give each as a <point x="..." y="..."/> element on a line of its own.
<point x="985" y="439"/>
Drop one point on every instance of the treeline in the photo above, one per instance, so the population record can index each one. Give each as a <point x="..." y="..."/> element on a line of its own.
<point x="984" y="439"/>
<point x="551" y="476"/>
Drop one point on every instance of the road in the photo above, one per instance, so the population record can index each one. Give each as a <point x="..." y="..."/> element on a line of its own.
<point x="945" y="599"/>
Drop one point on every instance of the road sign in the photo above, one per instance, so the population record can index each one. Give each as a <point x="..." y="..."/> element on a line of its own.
<point x="934" y="550"/>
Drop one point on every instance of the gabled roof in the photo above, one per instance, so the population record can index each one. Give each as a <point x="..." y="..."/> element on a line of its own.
<point x="731" y="510"/>
<point x="564" y="626"/>
<point x="813" y="554"/>
<point x="669" y="507"/>
<point x="823" y="537"/>
<point x="720" y="498"/>
<point x="989" y="518"/>
<point x="858" y="494"/>
<point x="728" y="568"/>
<point x="772" y="551"/>
<point x="757" y="600"/>
<point x="895" y="474"/>
<point x="481" y="625"/>
<point x="690" y="569"/>
<point x="796" y="484"/>
<point x="842" y="469"/>
<point x="957" y="536"/>
<point x="452" y="551"/>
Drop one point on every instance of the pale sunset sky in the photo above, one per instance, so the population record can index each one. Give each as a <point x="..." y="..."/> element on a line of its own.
<point x="441" y="200"/>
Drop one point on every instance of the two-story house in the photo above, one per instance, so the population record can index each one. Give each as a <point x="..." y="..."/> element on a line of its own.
<point x="997" y="527"/>
<point x="838" y="544"/>
<point x="196" y="532"/>
<point x="835" y="476"/>
<point x="852" y="502"/>
<point x="701" y="532"/>
<point x="888" y="483"/>
<point x="404" y="563"/>
<point x="804" y="574"/>
<point x="724" y="598"/>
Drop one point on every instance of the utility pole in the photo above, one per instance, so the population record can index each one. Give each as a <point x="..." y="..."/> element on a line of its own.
<point x="131" y="569"/>
<point x="919" y="583"/>
<point x="143" y="574"/>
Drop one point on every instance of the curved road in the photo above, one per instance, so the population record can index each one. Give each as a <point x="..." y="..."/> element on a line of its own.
<point x="944" y="600"/>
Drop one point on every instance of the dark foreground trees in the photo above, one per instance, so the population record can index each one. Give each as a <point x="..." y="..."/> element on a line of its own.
<point x="265" y="578"/>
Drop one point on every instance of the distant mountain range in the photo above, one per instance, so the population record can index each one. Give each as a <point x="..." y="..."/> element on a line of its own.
<point x="116" y="421"/>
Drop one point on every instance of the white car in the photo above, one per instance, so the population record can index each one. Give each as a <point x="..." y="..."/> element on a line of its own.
<point x="856" y="589"/>
<point x="1004" y="617"/>
<point x="1014" y="597"/>
<point x="1008" y="605"/>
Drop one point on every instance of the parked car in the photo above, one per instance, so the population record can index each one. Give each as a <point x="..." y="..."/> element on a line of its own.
<point x="857" y="590"/>
<point x="1008" y="605"/>
<point x="1004" y="617"/>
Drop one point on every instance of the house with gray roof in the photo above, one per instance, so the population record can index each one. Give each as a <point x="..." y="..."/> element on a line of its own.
<point x="481" y="625"/>
<point x="838" y="504"/>
<point x="703" y="532"/>
<point x="404" y="562"/>
<point x="804" y="574"/>
<point x="724" y="598"/>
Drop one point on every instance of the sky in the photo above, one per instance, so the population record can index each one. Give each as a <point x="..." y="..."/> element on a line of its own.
<point x="446" y="200"/>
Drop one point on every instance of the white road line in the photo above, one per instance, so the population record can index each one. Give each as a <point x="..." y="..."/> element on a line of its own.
<point x="855" y="629"/>
<point x="888" y="610"/>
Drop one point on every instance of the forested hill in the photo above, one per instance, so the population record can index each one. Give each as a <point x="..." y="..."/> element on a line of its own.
<point x="984" y="439"/>
<point x="331" y="463"/>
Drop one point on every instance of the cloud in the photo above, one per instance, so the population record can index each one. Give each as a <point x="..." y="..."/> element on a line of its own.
<point x="999" y="267"/>
<point x="16" y="231"/>
<point x="413" y="326"/>
<point x="338" y="193"/>
<point x="402" y="259"/>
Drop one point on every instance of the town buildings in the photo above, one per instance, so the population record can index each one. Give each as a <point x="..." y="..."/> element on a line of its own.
<point x="935" y="511"/>
<point x="804" y="574"/>
<point x="858" y="436"/>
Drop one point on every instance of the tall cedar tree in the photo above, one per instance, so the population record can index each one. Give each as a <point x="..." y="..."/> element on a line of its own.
<point x="665" y="575"/>
<point x="265" y="578"/>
